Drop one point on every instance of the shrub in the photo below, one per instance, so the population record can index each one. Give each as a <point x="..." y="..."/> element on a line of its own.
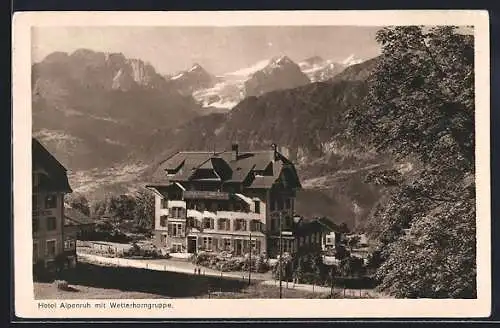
<point x="62" y="285"/>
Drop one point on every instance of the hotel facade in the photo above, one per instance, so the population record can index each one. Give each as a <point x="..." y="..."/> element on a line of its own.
<point x="225" y="201"/>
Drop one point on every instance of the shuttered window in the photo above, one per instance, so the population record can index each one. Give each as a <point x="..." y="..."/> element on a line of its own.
<point x="176" y="230"/>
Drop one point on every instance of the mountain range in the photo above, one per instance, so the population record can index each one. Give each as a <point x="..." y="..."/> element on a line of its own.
<point x="111" y="120"/>
<point x="91" y="108"/>
<point x="223" y="92"/>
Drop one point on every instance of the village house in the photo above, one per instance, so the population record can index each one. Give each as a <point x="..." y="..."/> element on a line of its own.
<point x="85" y="226"/>
<point x="319" y="232"/>
<point x="225" y="201"/>
<point x="49" y="186"/>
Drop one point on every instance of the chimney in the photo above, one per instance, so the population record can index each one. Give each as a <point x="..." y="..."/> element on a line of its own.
<point x="274" y="155"/>
<point x="234" y="149"/>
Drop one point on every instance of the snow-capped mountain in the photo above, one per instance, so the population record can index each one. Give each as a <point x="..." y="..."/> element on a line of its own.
<point x="264" y="76"/>
<point x="351" y="60"/>
<point x="226" y="91"/>
<point x="319" y="69"/>
<point x="281" y="73"/>
<point x="193" y="79"/>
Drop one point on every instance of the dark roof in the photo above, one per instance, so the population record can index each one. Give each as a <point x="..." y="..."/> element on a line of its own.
<point x="328" y="223"/>
<point x="306" y="226"/>
<point x="56" y="178"/>
<point x="183" y="165"/>
<point x="262" y="182"/>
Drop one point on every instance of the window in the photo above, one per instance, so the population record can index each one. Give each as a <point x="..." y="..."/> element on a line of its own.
<point x="50" y="201"/>
<point x="163" y="221"/>
<point x="35" y="251"/>
<point x="257" y="206"/>
<point x="51" y="223"/>
<point x="207" y="243"/>
<point x="240" y="225"/>
<point x="227" y="244"/>
<point x="191" y="222"/>
<point x="51" y="248"/>
<point x="224" y="224"/>
<point x="176" y="229"/>
<point x="176" y="248"/>
<point x="164" y="203"/>
<point x="177" y="212"/>
<point x="255" y="225"/>
<point x="273" y="205"/>
<point x="288" y="203"/>
<point x="34" y="222"/>
<point x="256" y="245"/>
<point x="69" y="244"/>
<point x="34" y="200"/>
<point x="287" y="245"/>
<point x="208" y="223"/>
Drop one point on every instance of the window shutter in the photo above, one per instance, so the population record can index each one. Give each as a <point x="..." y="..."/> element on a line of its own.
<point x="183" y="230"/>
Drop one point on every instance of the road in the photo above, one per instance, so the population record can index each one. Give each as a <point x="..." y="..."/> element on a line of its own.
<point x="189" y="268"/>
<point x="171" y="265"/>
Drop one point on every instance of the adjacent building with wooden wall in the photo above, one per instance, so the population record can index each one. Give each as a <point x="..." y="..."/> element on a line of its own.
<point x="49" y="185"/>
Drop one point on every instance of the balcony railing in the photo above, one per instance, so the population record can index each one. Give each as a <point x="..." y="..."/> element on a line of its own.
<point x="197" y="194"/>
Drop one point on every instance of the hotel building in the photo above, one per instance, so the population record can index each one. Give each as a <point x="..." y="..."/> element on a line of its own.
<point x="225" y="201"/>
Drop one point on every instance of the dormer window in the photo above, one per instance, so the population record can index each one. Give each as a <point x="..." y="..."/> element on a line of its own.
<point x="257" y="206"/>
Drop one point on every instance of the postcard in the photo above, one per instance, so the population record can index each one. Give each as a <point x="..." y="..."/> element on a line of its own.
<point x="251" y="164"/>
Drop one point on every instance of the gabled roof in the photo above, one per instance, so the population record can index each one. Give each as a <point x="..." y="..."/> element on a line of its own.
<point x="328" y="224"/>
<point x="54" y="178"/>
<point x="243" y="169"/>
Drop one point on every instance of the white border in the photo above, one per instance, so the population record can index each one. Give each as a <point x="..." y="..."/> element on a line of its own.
<point x="26" y="306"/>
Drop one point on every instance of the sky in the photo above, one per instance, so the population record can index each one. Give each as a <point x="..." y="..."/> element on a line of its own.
<point x="218" y="49"/>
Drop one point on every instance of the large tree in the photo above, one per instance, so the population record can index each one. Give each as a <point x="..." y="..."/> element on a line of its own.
<point x="420" y="110"/>
<point x="79" y="202"/>
<point x="144" y="210"/>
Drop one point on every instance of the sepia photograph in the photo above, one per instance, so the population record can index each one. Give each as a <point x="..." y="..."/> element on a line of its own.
<point x="260" y="161"/>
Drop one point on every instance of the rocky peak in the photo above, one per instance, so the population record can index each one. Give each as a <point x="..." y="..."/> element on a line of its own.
<point x="99" y="69"/>
<point x="281" y="73"/>
<point x="193" y="79"/>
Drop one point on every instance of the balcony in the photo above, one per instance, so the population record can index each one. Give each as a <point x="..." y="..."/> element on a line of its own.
<point x="197" y="194"/>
